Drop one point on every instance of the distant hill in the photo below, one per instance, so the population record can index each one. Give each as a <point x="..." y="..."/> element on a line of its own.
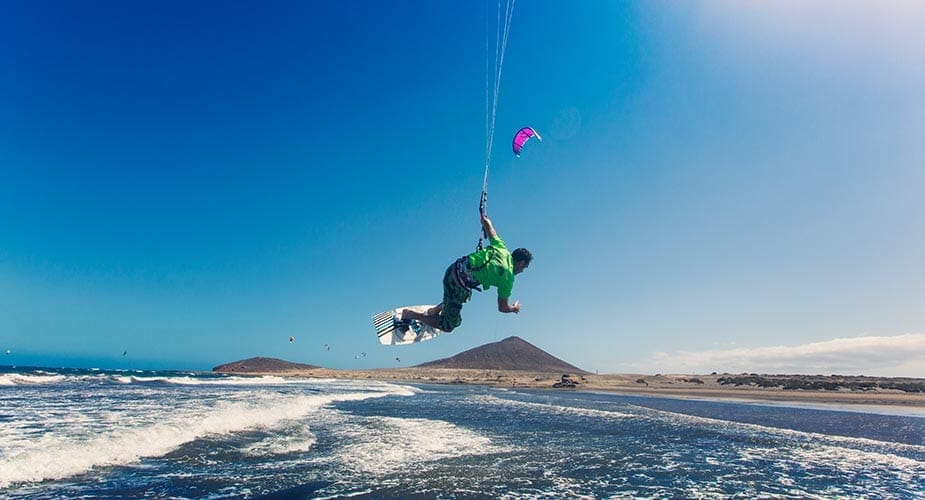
<point x="261" y="365"/>
<point x="512" y="353"/>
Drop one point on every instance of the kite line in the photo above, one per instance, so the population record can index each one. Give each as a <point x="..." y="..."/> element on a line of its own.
<point x="491" y="100"/>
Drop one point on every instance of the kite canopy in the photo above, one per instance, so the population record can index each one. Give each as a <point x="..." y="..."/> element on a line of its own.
<point x="521" y="138"/>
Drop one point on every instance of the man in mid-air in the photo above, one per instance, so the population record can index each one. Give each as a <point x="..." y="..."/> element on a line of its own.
<point x="494" y="266"/>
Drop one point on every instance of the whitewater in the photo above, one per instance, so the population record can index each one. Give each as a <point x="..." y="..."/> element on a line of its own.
<point x="132" y="434"/>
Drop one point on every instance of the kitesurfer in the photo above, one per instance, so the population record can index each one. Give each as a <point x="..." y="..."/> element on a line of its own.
<point x="492" y="266"/>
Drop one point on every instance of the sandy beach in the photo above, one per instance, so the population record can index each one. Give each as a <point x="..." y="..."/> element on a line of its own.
<point x="688" y="386"/>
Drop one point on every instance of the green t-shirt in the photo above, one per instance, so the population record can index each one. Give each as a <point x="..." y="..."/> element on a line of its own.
<point x="494" y="266"/>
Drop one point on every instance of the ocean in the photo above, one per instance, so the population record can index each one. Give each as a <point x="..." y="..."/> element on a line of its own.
<point x="133" y="434"/>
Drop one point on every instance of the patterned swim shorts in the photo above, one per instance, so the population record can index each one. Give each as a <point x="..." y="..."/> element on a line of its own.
<point x="454" y="296"/>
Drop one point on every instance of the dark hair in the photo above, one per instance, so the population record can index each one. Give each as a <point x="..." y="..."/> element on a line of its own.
<point x="522" y="255"/>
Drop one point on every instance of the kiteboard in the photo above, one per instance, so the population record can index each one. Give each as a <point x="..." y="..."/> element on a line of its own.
<point x="393" y="330"/>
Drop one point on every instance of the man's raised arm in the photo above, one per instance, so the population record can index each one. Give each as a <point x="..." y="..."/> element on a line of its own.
<point x="489" y="229"/>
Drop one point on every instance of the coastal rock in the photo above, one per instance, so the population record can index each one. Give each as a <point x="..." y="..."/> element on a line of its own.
<point x="566" y="382"/>
<point x="826" y="383"/>
<point x="261" y="365"/>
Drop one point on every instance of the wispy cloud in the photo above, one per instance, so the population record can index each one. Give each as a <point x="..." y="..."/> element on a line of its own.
<point x="899" y="355"/>
<point x="888" y="32"/>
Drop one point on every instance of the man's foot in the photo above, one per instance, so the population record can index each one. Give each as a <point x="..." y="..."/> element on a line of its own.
<point x="408" y="314"/>
<point x="431" y="320"/>
<point x="401" y="325"/>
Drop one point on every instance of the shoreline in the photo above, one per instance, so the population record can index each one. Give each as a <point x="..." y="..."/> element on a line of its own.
<point x="676" y="386"/>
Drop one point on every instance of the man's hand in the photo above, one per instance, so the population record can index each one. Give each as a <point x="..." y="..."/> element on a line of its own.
<point x="504" y="307"/>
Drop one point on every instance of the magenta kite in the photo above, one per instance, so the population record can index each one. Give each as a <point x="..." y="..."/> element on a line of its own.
<point x="522" y="136"/>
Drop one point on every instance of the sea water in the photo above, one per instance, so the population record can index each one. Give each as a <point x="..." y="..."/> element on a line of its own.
<point x="98" y="433"/>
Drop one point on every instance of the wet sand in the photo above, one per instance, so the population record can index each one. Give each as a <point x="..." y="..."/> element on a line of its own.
<point x="687" y="386"/>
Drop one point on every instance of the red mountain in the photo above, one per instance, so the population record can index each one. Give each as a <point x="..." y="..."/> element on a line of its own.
<point x="512" y="353"/>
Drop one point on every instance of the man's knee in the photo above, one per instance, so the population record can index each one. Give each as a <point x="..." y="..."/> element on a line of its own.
<point x="449" y="326"/>
<point x="449" y="320"/>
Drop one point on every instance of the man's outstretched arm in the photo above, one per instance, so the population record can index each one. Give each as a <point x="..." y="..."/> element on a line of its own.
<point x="504" y="307"/>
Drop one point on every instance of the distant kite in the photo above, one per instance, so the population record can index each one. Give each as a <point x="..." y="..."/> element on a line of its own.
<point x="521" y="138"/>
<point x="125" y="353"/>
<point x="291" y="338"/>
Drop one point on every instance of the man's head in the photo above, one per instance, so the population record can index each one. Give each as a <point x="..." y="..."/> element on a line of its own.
<point x="522" y="258"/>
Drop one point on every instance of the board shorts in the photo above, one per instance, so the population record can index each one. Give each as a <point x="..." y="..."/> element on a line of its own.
<point x="455" y="294"/>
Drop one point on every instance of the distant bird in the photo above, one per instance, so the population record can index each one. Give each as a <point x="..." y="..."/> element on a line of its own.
<point x="125" y="353"/>
<point x="363" y="354"/>
<point x="291" y="338"/>
<point x="396" y="359"/>
<point x="327" y="347"/>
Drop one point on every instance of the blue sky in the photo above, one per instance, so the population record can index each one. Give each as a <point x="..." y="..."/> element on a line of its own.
<point x="721" y="186"/>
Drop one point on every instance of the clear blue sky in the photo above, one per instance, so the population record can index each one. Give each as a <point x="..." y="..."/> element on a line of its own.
<point x="194" y="182"/>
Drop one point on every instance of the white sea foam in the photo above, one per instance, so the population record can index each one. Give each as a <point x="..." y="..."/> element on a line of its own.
<point x="848" y="460"/>
<point x="586" y="412"/>
<point x="46" y="378"/>
<point x="294" y="440"/>
<point x="14" y="379"/>
<point x="851" y="455"/>
<point x="192" y="380"/>
<point x="731" y="426"/>
<point x="58" y="455"/>
<point x="380" y="445"/>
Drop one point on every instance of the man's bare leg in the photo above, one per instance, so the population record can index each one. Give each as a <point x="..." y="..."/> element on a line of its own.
<point x="428" y="319"/>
